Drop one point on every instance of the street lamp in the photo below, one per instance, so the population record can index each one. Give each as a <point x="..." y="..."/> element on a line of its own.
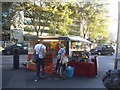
<point x="117" y="58"/>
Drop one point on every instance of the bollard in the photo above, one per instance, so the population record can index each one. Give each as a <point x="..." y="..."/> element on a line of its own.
<point x="16" y="58"/>
<point x="96" y="65"/>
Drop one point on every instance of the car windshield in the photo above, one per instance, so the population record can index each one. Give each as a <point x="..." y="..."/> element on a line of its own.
<point x="107" y="46"/>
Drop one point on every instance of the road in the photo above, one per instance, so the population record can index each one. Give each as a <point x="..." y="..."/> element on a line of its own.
<point x="106" y="62"/>
<point x="7" y="60"/>
<point x="26" y="77"/>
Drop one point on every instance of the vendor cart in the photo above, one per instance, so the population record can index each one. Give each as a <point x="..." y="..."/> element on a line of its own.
<point x="71" y="43"/>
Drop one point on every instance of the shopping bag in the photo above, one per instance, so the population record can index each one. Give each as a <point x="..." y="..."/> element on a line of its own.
<point x="35" y="58"/>
<point x="64" y="60"/>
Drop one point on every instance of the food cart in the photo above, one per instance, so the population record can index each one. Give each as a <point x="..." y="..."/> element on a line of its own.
<point x="72" y="44"/>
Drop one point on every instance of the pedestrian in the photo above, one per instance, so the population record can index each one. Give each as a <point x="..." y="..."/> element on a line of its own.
<point x="40" y="50"/>
<point x="60" y="68"/>
<point x="86" y="54"/>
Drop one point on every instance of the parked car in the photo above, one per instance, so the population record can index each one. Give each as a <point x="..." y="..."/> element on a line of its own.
<point x="105" y="49"/>
<point x="6" y="43"/>
<point x="23" y="48"/>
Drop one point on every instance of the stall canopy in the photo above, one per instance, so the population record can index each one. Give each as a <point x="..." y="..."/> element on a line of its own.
<point x="73" y="38"/>
<point x="78" y="38"/>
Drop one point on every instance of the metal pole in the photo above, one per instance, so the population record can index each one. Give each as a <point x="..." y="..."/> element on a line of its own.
<point x="117" y="58"/>
<point x="116" y="61"/>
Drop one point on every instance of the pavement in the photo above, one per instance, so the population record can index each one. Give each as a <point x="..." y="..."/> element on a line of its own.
<point x="24" y="78"/>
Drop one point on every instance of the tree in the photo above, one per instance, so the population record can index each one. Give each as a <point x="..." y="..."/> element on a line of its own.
<point x="10" y="14"/>
<point x="39" y="14"/>
<point x="61" y="20"/>
<point x="6" y="15"/>
<point x="54" y="15"/>
<point x="6" y="20"/>
<point x="86" y="19"/>
<point x="93" y="20"/>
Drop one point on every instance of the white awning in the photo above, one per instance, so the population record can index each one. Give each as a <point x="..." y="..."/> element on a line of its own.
<point x="78" y="38"/>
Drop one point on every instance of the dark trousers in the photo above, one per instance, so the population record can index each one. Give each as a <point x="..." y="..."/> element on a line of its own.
<point x="58" y="65"/>
<point x="40" y="62"/>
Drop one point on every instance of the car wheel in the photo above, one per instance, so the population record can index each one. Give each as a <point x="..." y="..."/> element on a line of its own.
<point x="99" y="53"/>
<point x="8" y="52"/>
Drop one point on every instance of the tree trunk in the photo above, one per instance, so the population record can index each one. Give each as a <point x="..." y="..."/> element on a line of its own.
<point x="84" y="33"/>
<point x="37" y="34"/>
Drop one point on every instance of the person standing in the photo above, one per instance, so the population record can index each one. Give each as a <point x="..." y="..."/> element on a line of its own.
<point x="40" y="50"/>
<point x="59" y="64"/>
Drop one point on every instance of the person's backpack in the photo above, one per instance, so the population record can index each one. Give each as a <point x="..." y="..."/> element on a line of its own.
<point x="112" y="79"/>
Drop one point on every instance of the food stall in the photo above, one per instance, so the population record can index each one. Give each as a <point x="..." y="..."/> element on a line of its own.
<point x="72" y="44"/>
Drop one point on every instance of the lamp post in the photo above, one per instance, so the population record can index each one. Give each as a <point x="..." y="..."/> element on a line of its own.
<point x="117" y="58"/>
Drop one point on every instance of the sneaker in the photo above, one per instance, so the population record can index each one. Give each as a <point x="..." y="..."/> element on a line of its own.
<point x="36" y="79"/>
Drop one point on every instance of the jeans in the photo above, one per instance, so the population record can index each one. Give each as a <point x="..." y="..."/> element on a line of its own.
<point x="39" y="62"/>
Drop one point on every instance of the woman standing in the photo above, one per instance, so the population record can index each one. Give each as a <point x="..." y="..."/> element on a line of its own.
<point x="60" y="68"/>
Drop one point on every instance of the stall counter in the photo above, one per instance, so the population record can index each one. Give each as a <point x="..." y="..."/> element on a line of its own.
<point x="83" y="68"/>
